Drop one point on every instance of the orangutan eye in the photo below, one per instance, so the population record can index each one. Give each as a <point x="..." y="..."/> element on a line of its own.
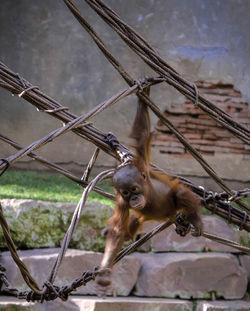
<point x="125" y="193"/>
<point x="135" y="189"/>
<point x="143" y="175"/>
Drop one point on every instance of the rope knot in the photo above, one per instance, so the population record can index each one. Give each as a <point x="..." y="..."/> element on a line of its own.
<point x="141" y="83"/>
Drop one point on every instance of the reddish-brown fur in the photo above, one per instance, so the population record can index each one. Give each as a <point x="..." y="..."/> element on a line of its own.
<point x="150" y="194"/>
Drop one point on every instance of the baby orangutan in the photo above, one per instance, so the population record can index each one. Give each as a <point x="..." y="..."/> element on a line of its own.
<point x="151" y="195"/>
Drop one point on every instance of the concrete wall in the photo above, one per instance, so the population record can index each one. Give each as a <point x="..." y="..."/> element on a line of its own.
<point x="41" y="40"/>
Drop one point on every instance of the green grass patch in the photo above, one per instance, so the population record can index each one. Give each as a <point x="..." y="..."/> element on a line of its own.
<point x="52" y="187"/>
<point x="46" y="187"/>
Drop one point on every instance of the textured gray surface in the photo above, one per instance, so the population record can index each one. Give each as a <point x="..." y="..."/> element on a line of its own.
<point x="42" y="41"/>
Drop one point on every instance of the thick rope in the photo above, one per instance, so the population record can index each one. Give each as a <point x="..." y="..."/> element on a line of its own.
<point x="227" y="242"/>
<point x="74" y="222"/>
<point x="14" y="83"/>
<point x="87" y="172"/>
<point x="153" y="59"/>
<point x="62" y="292"/>
<point x="70" y="125"/>
<point x="11" y="245"/>
<point x="56" y="168"/>
<point x="145" y="51"/>
<point x="129" y="80"/>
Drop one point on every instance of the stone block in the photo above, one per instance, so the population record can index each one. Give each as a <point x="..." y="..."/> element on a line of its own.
<point x="76" y="303"/>
<point x="12" y="304"/>
<point x="245" y="262"/>
<point x="40" y="263"/>
<point x="223" y="306"/>
<point x="98" y="304"/>
<point x="188" y="275"/>
<point x="39" y="224"/>
<point x="168" y="240"/>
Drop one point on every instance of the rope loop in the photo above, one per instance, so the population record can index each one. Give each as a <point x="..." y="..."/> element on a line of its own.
<point x="30" y="296"/>
<point x="62" y="294"/>
<point x="55" y="110"/>
<point x="234" y="195"/>
<point x="86" y="275"/>
<point x="124" y="154"/>
<point x="141" y="83"/>
<point x="27" y="90"/>
<point x="53" y="291"/>
<point x="50" y="287"/>
<point x="239" y="194"/>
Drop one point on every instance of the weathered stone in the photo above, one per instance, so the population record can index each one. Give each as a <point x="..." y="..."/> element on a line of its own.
<point x="40" y="263"/>
<point x="223" y="306"/>
<point x="168" y="240"/>
<point x="191" y="275"/>
<point x="36" y="224"/>
<point x="12" y="304"/>
<point x="98" y="304"/>
<point x="244" y="237"/>
<point x="245" y="262"/>
<point x="194" y="121"/>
